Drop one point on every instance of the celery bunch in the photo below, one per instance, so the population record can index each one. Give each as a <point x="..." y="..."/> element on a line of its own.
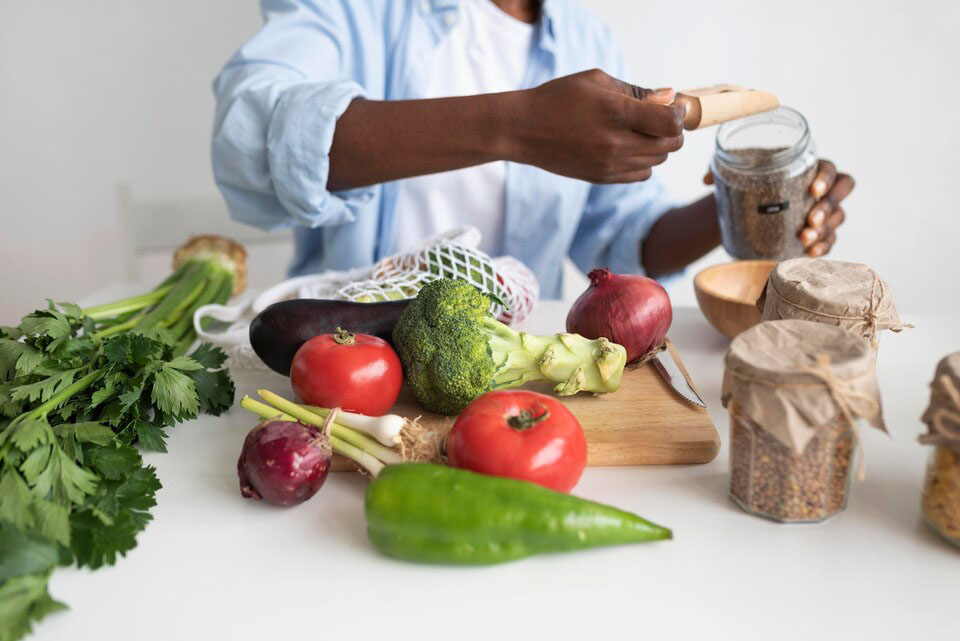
<point x="80" y="391"/>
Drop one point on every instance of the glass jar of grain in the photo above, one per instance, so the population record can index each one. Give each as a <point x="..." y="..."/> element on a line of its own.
<point x="849" y="295"/>
<point x="796" y="392"/>
<point x="941" y="490"/>
<point x="762" y="171"/>
<point x="768" y="478"/>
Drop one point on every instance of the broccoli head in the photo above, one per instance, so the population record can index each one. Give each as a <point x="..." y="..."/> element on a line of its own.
<point x="453" y="350"/>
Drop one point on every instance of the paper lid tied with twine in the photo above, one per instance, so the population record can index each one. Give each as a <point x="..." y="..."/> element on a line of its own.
<point x="943" y="414"/>
<point x="848" y="295"/>
<point x="792" y="376"/>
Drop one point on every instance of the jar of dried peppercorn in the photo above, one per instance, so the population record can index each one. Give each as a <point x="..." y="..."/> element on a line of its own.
<point x="762" y="171"/>
<point x="796" y="392"/>
<point x="941" y="491"/>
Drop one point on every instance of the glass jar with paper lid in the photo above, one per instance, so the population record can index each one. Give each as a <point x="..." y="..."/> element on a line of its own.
<point x="941" y="490"/>
<point x="797" y="392"/>
<point x="849" y="295"/>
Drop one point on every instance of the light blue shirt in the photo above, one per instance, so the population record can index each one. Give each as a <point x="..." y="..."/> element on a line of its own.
<point x="279" y="97"/>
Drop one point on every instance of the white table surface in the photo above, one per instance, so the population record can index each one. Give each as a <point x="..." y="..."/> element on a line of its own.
<point x="215" y="566"/>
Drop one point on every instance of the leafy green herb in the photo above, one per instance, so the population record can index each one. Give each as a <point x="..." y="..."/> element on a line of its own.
<point x="23" y="553"/>
<point x="109" y="521"/>
<point x="23" y="600"/>
<point x="79" y="391"/>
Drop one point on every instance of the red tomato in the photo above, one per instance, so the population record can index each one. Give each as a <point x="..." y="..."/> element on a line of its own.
<point x="355" y="372"/>
<point x="520" y="434"/>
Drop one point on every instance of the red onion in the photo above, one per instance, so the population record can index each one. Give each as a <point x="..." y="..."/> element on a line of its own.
<point x="633" y="311"/>
<point x="283" y="462"/>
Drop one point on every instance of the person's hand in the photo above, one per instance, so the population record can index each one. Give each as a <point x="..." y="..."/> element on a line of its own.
<point x="829" y="188"/>
<point x="592" y="126"/>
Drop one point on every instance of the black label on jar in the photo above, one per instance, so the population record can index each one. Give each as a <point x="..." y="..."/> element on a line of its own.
<point x="774" y="208"/>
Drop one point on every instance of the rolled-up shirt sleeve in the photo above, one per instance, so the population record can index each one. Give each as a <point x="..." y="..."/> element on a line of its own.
<point x="278" y="100"/>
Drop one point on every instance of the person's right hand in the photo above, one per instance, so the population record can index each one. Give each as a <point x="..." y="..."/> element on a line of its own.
<point x="594" y="127"/>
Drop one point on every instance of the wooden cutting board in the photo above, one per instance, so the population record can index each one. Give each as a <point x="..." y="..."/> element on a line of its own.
<point x="642" y="423"/>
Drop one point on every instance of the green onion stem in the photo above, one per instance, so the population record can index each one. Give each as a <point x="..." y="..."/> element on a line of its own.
<point x="365" y="459"/>
<point x="349" y="435"/>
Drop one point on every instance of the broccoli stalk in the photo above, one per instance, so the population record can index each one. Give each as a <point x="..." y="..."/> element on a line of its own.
<point x="573" y="362"/>
<point x="453" y="351"/>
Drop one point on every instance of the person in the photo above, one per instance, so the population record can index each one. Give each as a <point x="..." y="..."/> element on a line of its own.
<point x="368" y="126"/>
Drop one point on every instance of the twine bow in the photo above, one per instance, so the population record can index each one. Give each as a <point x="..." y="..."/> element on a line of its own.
<point x="851" y="402"/>
<point x="871" y="318"/>
<point x="947" y="412"/>
<point x="874" y="315"/>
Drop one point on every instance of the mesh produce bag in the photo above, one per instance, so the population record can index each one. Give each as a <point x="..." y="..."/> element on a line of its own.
<point x="394" y="287"/>
<point x="451" y="255"/>
<point x="403" y="275"/>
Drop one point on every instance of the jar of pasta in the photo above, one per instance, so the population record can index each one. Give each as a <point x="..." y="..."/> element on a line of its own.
<point x="797" y="392"/>
<point x="941" y="490"/>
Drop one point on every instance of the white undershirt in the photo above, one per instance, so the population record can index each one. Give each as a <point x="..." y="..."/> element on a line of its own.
<point x="486" y="51"/>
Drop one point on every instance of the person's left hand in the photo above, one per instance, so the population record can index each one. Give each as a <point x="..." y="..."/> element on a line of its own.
<point x="829" y="188"/>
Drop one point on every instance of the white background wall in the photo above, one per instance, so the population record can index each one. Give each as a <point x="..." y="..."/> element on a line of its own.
<point x="97" y="92"/>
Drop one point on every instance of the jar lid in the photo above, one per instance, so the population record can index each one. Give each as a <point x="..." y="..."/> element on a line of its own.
<point x="850" y="295"/>
<point x="792" y="376"/>
<point x="943" y="414"/>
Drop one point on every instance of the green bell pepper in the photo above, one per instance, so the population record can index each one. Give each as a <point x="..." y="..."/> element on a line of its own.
<point x="437" y="514"/>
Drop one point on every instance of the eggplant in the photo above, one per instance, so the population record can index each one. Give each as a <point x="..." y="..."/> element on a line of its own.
<point x="278" y="331"/>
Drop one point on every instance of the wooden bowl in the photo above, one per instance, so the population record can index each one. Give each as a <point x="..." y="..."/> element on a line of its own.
<point x="728" y="293"/>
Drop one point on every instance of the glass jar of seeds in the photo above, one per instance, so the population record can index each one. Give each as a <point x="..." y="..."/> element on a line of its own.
<point x="797" y="392"/>
<point x="941" y="490"/>
<point x="769" y="479"/>
<point x="850" y="295"/>
<point x="762" y="171"/>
